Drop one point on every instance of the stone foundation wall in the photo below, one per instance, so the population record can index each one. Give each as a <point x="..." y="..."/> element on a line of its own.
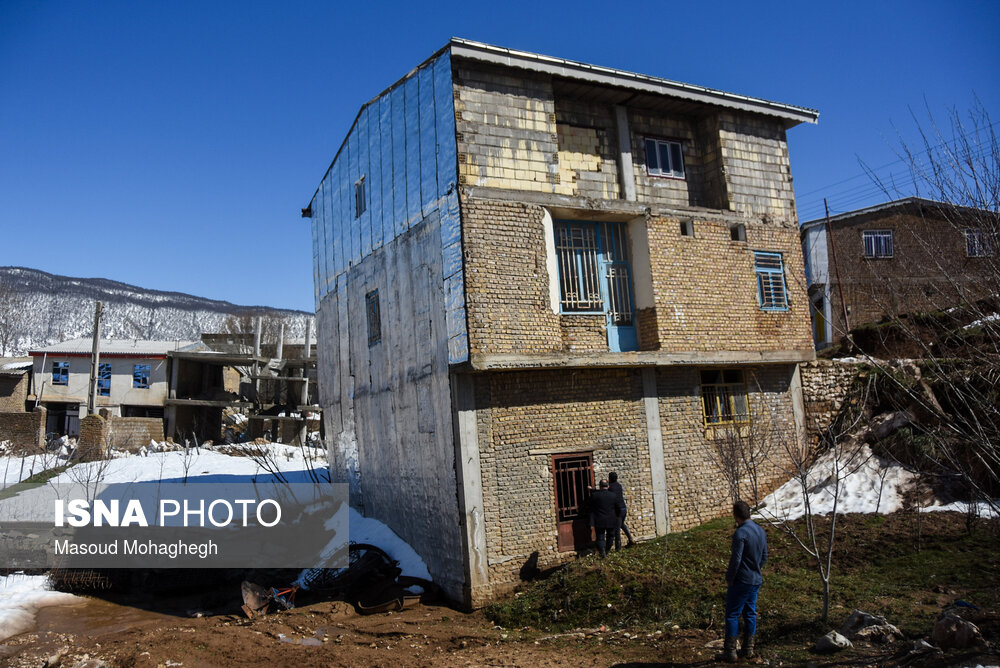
<point x="825" y="385"/>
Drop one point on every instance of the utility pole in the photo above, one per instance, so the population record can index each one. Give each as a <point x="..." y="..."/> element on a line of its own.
<point x="95" y="361"/>
<point x="836" y="268"/>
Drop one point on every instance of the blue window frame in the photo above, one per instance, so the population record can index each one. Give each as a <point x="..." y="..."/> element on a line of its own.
<point x="140" y="376"/>
<point x="772" y="291"/>
<point x="60" y="373"/>
<point x="595" y="276"/>
<point x="104" y="379"/>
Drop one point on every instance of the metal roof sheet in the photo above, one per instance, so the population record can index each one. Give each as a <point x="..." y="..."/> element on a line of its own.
<point x="115" y="347"/>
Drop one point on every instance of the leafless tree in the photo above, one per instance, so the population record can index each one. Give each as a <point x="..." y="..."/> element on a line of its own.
<point x="12" y="310"/>
<point x="953" y="389"/>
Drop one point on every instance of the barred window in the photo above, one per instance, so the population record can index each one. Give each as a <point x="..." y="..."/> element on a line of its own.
<point x="579" y="270"/>
<point x="878" y="243"/>
<point x="724" y="397"/>
<point x="772" y="292"/>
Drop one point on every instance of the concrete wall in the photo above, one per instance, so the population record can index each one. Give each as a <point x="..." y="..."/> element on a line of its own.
<point x="387" y="406"/>
<point x="24" y="430"/>
<point x="122" y="392"/>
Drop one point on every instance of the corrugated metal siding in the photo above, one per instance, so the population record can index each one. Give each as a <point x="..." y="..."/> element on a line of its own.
<point x="403" y="143"/>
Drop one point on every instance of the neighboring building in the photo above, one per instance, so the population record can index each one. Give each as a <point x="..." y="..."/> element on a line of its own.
<point x="905" y="256"/>
<point x="131" y="380"/>
<point x="15" y="379"/>
<point x="530" y="272"/>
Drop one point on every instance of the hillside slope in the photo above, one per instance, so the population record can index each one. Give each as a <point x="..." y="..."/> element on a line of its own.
<point x="57" y="308"/>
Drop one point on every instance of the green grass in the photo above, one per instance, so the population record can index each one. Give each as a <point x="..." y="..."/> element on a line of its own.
<point x="678" y="580"/>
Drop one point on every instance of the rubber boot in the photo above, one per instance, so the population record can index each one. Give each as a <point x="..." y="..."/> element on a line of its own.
<point x="728" y="653"/>
<point x="746" y="649"/>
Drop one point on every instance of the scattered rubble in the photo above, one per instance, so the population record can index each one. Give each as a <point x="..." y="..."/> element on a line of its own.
<point x="832" y="642"/>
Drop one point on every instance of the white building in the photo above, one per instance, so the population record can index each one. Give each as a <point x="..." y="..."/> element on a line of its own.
<point x="131" y="380"/>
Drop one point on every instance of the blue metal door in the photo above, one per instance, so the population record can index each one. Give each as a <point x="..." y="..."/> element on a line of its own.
<point x="619" y="308"/>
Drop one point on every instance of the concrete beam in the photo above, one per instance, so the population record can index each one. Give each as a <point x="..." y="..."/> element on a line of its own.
<point x="625" y="168"/>
<point x="481" y="362"/>
<point x="657" y="468"/>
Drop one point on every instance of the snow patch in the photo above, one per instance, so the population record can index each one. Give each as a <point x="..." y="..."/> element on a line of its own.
<point x="21" y="596"/>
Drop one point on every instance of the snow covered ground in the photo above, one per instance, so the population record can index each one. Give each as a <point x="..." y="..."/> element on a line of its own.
<point x="22" y="595"/>
<point x="869" y="484"/>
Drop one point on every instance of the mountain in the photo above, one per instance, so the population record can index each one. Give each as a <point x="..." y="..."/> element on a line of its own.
<point x="56" y="308"/>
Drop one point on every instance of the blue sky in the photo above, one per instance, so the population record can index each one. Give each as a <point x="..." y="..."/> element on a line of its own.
<point x="172" y="144"/>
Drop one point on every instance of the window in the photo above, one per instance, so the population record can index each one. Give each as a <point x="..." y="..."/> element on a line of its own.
<point x="589" y="253"/>
<point x="360" y="202"/>
<point x="687" y="228"/>
<point x="771" y="289"/>
<point x="724" y="397"/>
<point x="374" y="318"/>
<point x="140" y="376"/>
<point x="664" y="158"/>
<point x="104" y="379"/>
<point x="60" y="373"/>
<point x="878" y="243"/>
<point x="738" y="232"/>
<point x="978" y="243"/>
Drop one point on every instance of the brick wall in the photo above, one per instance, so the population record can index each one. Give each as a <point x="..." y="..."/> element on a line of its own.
<point x="134" y="433"/>
<point x="705" y="287"/>
<point x="523" y="416"/>
<point x="696" y="489"/>
<point x="24" y="430"/>
<point x="929" y="269"/>
<point x="13" y="392"/>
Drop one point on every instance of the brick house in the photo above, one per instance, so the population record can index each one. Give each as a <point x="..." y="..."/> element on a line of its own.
<point x="904" y="256"/>
<point x="530" y="272"/>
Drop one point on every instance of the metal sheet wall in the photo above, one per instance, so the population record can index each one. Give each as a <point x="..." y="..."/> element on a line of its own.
<point x="403" y="145"/>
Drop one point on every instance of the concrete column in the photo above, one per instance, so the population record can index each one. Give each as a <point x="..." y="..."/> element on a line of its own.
<point x="625" y="170"/>
<point x="661" y="506"/>
<point x="470" y="485"/>
<point x="798" y="406"/>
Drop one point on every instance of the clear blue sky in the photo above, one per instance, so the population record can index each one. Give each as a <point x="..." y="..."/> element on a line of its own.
<point x="172" y="144"/>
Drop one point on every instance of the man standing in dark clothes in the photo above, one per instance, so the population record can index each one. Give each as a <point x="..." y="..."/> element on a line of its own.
<point x="615" y="488"/>
<point x="747" y="557"/>
<point x="604" y="513"/>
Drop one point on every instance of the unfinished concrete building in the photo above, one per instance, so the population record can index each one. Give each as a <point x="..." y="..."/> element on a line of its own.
<point x="530" y="272"/>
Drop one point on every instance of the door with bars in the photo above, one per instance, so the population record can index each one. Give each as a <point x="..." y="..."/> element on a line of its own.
<point x="573" y="476"/>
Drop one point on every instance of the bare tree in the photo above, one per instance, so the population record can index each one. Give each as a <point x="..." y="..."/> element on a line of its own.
<point x="952" y="391"/>
<point x="12" y="311"/>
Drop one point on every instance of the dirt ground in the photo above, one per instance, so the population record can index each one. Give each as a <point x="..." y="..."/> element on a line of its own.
<point x="323" y="634"/>
<point x="332" y="634"/>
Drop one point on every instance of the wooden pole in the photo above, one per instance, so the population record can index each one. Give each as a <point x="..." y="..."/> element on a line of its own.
<point x="95" y="361"/>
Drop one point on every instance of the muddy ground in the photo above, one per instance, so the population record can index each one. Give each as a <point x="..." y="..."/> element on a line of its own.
<point x="332" y="634"/>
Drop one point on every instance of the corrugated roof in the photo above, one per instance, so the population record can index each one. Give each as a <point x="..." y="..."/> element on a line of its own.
<point x="115" y="347"/>
<point x="894" y="204"/>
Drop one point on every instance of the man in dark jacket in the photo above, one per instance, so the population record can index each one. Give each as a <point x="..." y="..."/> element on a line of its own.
<point x="604" y="513"/>
<point x="748" y="555"/>
<point x="615" y="488"/>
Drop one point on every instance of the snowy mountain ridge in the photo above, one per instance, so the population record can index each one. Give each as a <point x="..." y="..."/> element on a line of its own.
<point x="57" y="308"/>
